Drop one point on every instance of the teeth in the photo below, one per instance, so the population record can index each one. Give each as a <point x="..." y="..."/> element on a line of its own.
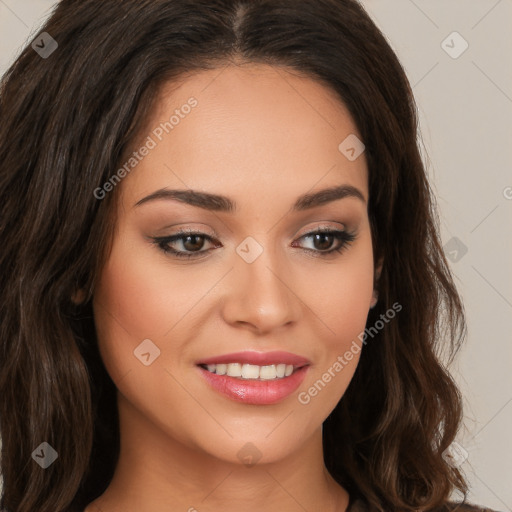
<point x="234" y="370"/>
<point x="252" y="371"/>
<point x="221" y="369"/>
<point x="268" y="372"/>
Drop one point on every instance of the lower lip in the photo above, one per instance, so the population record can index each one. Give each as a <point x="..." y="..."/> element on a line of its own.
<point x="255" y="392"/>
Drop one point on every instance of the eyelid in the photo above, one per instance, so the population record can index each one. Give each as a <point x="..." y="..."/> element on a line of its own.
<point x="194" y="231"/>
<point x="213" y="235"/>
<point x="322" y="227"/>
<point x="343" y="236"/>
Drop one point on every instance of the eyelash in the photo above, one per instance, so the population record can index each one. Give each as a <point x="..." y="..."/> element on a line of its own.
<point x="162" y="243"/>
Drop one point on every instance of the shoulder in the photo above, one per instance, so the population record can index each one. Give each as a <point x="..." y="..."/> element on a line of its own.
<point x="360" y="506"/>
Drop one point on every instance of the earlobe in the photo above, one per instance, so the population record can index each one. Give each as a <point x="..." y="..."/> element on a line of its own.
<point x="378" y="269"/>
<point x="376" y="278"/>
<point x="78" y="296"/>
<point x="375" y="298"/>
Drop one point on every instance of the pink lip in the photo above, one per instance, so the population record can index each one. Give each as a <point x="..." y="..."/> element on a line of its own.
<point x="255" y="392"/>
<point x="257" y="358"/>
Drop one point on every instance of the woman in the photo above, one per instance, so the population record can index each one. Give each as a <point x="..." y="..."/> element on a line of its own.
<point x="222" y="281"/>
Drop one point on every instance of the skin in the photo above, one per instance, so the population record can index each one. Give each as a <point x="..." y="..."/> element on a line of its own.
<point x="261" y="136"/>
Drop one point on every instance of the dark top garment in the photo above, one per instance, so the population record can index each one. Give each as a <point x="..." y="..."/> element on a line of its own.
<point x="357" y="505"/>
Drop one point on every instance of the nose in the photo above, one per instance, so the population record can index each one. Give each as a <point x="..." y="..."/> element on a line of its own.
<point x="261" y="295"/>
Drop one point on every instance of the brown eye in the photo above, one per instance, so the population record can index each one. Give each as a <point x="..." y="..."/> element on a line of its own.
<point x="191" y="244"/>
<point x="323" y="240"/>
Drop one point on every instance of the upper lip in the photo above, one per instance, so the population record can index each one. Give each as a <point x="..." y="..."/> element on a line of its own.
<point x="257" y="358"/>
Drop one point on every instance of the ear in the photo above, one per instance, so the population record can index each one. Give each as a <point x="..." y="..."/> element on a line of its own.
<point x="377" y="272"/>
<point x="78" y="296"/>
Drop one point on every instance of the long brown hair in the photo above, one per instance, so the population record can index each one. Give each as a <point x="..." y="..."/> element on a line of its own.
<point x="66" y="121"/>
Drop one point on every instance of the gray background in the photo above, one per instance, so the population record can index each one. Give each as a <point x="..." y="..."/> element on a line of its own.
<point x="465" y="106"/>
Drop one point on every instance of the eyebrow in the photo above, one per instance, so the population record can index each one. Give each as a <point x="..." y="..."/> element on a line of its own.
<point x="219" y="203"/>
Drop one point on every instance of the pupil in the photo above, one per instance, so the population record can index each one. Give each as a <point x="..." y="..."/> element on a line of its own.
<point x="326" y="236"/>
<point x="193" y="247"/>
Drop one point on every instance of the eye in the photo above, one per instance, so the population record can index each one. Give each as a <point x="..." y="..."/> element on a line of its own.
<point x="323" y="240"/>
<point x="192" y="243"/>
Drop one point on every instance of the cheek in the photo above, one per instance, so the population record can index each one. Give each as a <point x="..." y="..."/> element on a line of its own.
<point x="131" y="304"/>
<point x="342" y="306"/>
<point x="340" y="294"/>
<point x="143" y="295"/>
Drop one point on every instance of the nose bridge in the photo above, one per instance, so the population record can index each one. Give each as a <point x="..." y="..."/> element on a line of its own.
<point x="259" y="294"/>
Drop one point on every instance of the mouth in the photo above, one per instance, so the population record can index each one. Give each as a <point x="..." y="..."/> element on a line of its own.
<point x="252" y="371"/>
<point x="255" y="378"/>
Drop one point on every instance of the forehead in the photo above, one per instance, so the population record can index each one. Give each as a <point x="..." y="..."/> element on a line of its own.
<point x="253" y="129"/>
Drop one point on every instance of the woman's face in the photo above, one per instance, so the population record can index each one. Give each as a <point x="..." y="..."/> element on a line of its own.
<point x="255" y="282"/>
